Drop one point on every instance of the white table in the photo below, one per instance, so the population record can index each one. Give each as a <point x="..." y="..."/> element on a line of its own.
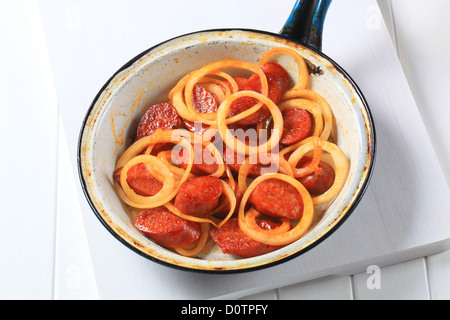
<point x="43" y="243"/>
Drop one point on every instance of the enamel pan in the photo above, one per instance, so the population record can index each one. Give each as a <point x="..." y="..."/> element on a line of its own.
<point x="145" y="80"/>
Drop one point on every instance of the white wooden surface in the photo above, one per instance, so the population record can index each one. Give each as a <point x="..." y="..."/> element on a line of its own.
<point x="43" y="242"/>
<point x="28" y="162"/>
<point x="418" y="34"/>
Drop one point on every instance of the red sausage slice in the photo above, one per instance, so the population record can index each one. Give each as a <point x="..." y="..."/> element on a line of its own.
<point x="297" y="126"/>
<point x="159" y="116"/>
<point x="166" y="228"/>
<point x="232" y="159"/>
<point x="277" y="79"/>
<point x="140" y="180"/>
<point x="204" y="102"/>
<point x="320" y="181"/>
<point x="199" y="196"/>
<point x="277" y="198"/>
<point x="225" y="204"/>
<point x="240" y="81"/>
<point x="204" y="162"/>
<point x="234" y="162"/>
<point x="234" y="241"/>
<point x="198" y="128"/>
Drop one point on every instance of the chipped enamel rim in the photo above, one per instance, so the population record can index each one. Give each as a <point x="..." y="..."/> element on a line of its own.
<point x="145" y="80"/>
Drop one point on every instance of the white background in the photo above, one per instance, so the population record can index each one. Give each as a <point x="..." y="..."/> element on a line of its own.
<point x="43" y="244"/>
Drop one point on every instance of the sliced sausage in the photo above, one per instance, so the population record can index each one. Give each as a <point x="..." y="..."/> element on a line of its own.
<point x="166" y="228"/>
<point x="140" y="180"/>
<point x="297" y="126"/>
<point x="196" y="127"/>
<point x="204" y="162"/>
<point x="321" y="180"/>
<point x="198" y="196"/>
<point x="159" y="116"/>
<point x="204" y="102"/>
<point x="224" y="203"/>
<point x="234" y="161"/>
<point x="277" y="198"/>
<point x="233" y="240"/>
<point x="159" y="147"/>
<point x="240" y="81"/>
<point x="277" y="79"/>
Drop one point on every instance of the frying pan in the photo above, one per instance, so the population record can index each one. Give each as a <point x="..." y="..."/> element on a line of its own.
<point x="146" y="79"/>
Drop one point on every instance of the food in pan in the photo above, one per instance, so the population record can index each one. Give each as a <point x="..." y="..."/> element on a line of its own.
<point x="242" y="162"/>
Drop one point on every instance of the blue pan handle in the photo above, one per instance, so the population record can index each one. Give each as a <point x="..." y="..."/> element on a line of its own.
<point x="305" y="24"/>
